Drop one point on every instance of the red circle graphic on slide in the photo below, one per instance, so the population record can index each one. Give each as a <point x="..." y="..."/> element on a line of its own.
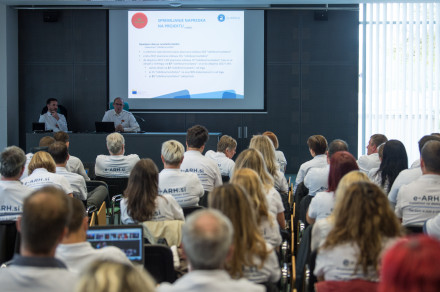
<point x="139" y="20"/>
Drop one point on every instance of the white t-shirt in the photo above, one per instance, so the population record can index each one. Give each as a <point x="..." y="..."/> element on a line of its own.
<point x="419" y="200"/>
<point x="12" y="195"/>
<point x="26" y="166"/>
<point x="270" y="230"/>
<point x="270" y="272"/>
<point x="317" y="161"/>
<point x="321" y="205"/>
<point x="75" y="165"/>
<point x="367" y="162"/>
<point x="76" y="181"/>
<point x="320" y="230"/>
<point x="281" y="159"/>
<point x="166" y="209"/>
<point x="316" y="179"/>
<point x="115" y="165"/>
<point x="53" y="124"/>
<point x="40" y="177"/>
<point x="416" y="163"/>
<point x="225" y="164"/>
<point x="124" y="118"/>
<point x="205" y="168"/>
<point x="405" y="177"/>
<point x="433" y="226"/>
<point x="274" y="202"/>
<point x="376" y="177"/>
<point x="185" y="187"/>
<point x="280" y="182"/>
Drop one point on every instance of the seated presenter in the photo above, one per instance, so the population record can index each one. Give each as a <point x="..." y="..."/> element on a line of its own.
<point x="124" y="120"/>
<point x="53" y="120"/>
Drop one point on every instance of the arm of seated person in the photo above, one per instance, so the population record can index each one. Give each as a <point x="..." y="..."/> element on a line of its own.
<point x="309" y="219"/>
<point x="281" y="220"/>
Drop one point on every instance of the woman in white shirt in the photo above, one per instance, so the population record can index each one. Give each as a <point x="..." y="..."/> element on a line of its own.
<point x="279" y="155"/>
<point x="141" y="199"/>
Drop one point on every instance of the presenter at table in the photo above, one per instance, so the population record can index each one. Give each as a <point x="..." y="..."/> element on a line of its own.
<point x="124" y="120"/>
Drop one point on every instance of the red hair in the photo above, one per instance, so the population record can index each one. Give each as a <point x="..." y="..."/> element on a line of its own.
<point x="341" y="163"/>
<point x="412" y="265"/>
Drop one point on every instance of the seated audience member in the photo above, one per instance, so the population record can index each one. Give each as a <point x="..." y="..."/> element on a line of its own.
<point x="109" y="276"/>
<point x="124" y="120"/>
<point x="226" y="148"/>
<point x="75" y="251"/>
<point x="249" y="180"/>
<point x="12" y="191"/>
<point x="279" y="155"/>
<point x="265" y="146"/>
<point x="53" y="120"/>
<point x="142" y="201"/>
<point x="74" y="164"/>
<point x="206" y="169"/>
<point x="371" y="160"/>
<point x="364" y="225"/>
<point x="317" y="146"/>
<point x="207" y="243"/>
<point x="251" y="257"/>
<point x="42" y="226"/>
<point x="394" y="160"/>
<point x="419" y="201"/>
<point x="43" y="145"/>
<point x="416" y="163"/>
<point x="321" y="228"/>
<point x="408" y="175"/>
<point x="321" y="206"/>
<point x="60" y="154"/>
<point x="252" y="158"/>
<point x="42" y="173"/>
<point x="411" y="265"/>
<point x="316" y="179"/>
<point x="185" y="187"/>
<point x="432" y="226"/>
<point x="116" y="164"/>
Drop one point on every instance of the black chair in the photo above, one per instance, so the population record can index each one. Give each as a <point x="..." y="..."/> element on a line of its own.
<point x="225" y="178"/>
<point x="61" y="110"/>
<point x="189" y="210"/>
<point x="116" y="202"/>
<point x="204" y="200"/>
<point x="411" y="229"/>
<point x="159" y="262"/>
<point x="90" y="169"/>
<point x="116" y="186"/>
<point x="9" y="240"/>
<point x="303" y="258"/>
<point x="303" y="207"/>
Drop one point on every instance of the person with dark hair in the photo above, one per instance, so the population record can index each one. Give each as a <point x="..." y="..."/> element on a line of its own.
<point x="371" y="159"/>
<point x="316" y="179"/>
<point x="279" y="155"/>
<point x="317" y="146"/>
<point x="75" y="251"/>
<point x="419" y="200"/>
<point x="226" y="148"/>
<point x="416" y="163"/>
<point x="393" y="161"/>
<point x="411" y="265"/>
<point x="12" y="191"/>
<point x="142" y="201"/>
<point x="321" y="206"/>
<point x="53" y="120"/>
<point x="205" y="168"/>
<point x="124" y="120"/>
<point x="42" y="226"/>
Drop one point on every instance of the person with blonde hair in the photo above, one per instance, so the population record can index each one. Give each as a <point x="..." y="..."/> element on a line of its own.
<point x="226" y="148"/>
<point x="249" y="180"/>
<point x="252" y="158"/>
<point x="142" y="201"/>
<point x="265" y="146"/>
<point x="252" y="257"/>
<point x="322" y="227"/>
<point x="279" y="155"/>
<point x="109" y="276"/>
<point x="364" y="226"/>
<point x="42" y="170"/>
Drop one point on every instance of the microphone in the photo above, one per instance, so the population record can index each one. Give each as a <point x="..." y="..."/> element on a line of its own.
<point x="139" y="117"/>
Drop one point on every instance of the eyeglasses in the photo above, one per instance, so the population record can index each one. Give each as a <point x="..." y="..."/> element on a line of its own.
<point x="118" y="104"/>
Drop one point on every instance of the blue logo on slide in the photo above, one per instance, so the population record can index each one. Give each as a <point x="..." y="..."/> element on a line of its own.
<point x="221" y="17"/>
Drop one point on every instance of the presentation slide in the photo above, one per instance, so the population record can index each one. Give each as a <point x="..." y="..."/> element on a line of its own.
<point x="190" y="54"/>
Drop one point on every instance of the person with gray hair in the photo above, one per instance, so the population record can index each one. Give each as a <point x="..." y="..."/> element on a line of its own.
<point x="124" y="120"/>
<point x="12" y="191"/>
<point x="185" y="187"/>
<point x="226" y="148"/>
<point x="116" y="164"/>
<point x="206" y="240"/>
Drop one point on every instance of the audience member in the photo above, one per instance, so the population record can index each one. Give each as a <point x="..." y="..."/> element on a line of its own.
<point x="12" y="191"/>
<point x="416" y="163"/>
<point x="124" y="120"/>
<point x="371" y="160"/>
<point x="42" y="226"/>
<point x="116" y="164"/>
<point x="419" y="200"/>
<point x="207" y="244"/>
<point x="53" y="120"/>
<point x="206" y="169"/>
<point x="43" y="146"/>
<point x="432" y="226"/>
<point x="141" y="199"/>
<point x="42" y="173"/>
<point x="226" y="148"/>
<point x="364" y="225"/>
<point x="279" y="155"/>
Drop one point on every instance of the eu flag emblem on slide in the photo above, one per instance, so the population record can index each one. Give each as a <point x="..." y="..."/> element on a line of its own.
<point x="221" y="17"/>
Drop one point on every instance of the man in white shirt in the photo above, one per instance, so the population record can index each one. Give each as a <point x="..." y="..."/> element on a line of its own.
<point x="185" y="187"/>
<point x="206" y="169"/>
<point x="226" y="148"/>
<point x="75" y="251"/>
<point x="420" y="200"/>
<point x="52" y="119"/>
<point x="116" y="164"/>
<point x="12" y="191"/>
<point x="124" y="120"/>
<point x="206" y="241"/>
<point x="371" y="160"/>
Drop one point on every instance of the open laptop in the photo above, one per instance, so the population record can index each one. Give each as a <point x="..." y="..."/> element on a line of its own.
<point x="105" y="127"/>
<point x="38" y="127"/>
<point x="129" y="238"/>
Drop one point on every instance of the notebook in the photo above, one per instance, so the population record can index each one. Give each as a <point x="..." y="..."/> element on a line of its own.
<point x="105" y="127"/>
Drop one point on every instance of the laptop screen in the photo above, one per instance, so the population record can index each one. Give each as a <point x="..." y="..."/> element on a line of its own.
<point x="105" y="127"/>
<point x="129" y="238"/>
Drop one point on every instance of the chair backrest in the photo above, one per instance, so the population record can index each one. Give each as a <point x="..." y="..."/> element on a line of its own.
<point x="225" y="178"/>
<point x="126" y="106"/>
<point x="93" y="219"/>
<point x="346" y="286"/>
<point x="303" y="256"/>
<point x="116" y="185"/>
<point x="411" y="229"/>
<point x="92" y="184"/>
<point x="101" y="215"/>
<point x="204" y="200"/>
<point x="9" y="240"/>
<point x="159" y="263"/>
<point x="189" y="210"/>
